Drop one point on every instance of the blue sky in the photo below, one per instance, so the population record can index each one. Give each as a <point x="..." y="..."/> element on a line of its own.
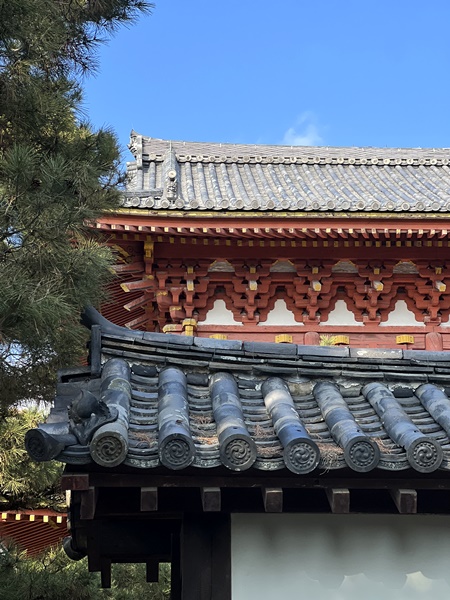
<point x="333" y="73"/>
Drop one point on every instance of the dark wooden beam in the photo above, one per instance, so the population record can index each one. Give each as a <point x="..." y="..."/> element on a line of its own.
<point x="149" y="499"/>
<point x="405" y="500"/>
<point x="273" y="500"/>
<point x="88" y="503"/>
<point x="339" y="499"/>
<point x="191" y="478"/>
<point x="75" y="481"/>
<point x="152" y="571"/>
<point x="211" y="499"/>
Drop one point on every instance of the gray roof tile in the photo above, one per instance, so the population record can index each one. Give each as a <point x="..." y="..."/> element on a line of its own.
<point x="324" y="393"/>
<point x="232" y="177"/>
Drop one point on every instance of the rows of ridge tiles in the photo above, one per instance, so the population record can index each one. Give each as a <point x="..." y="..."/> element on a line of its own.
<point x="291" y="406"/>
<point x="264" y="178"/>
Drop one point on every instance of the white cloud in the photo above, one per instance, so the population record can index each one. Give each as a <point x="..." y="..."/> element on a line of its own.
<point x="304" y="132"/>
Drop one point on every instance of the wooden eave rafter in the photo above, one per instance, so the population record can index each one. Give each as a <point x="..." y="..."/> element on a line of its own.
<point x="33" y="530"/>
<point x="286" y="228"/>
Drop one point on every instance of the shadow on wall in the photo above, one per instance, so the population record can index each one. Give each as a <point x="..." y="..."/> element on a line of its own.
<point x="341" y="557"/>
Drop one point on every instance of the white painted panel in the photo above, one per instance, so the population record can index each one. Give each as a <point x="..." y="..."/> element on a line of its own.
<point x="340" y="557"/>
<point x="341" y="315"/>
<point x="219" y="315"/>
<point x="401" y="315"/>
<point x="280" y="315"/>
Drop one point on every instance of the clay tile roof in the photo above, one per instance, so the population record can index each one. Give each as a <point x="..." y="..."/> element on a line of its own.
<point x="173" y="401"/>
<point x="199" y="176"/>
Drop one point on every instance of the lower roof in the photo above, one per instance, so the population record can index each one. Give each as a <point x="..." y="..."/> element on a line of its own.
<point x="162" y="400"/>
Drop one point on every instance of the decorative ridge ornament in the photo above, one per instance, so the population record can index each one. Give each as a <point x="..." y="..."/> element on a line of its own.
<point x="221" y="152"/>
<point x="87" y="414"/>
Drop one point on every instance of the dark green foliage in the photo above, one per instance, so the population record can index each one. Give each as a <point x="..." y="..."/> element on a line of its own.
<point x="23" y="482"/>
<point x="53" y="576"/>
<point x="57" y="176"/>
<point x="57" y="36"/>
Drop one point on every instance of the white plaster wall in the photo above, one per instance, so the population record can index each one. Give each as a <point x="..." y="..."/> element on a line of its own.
<point x="219" y="315"/>
<point x="341" y="315"/>
<point x="401" y="315"/>
<point x="280" y="315"/>
<point x="340" y="557"/>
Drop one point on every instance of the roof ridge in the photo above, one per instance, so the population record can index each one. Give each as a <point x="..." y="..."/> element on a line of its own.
<point x="285" y="150"/>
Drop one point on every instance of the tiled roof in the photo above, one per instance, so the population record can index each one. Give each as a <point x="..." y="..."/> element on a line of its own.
<point x="198" y="176"/>
<point x="163" y="400"/>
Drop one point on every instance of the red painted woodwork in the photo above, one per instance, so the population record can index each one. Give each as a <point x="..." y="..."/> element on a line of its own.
<point x="169" y="280"/>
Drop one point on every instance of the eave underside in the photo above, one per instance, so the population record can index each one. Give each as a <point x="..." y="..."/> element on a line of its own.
<point x="318" y="227"/>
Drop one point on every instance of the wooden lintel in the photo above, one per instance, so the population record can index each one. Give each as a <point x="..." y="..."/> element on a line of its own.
<point x="211" y="499"/>
<point x="149" y="499"/>
<point x="75" y="481"/>
<point x="273" y="499"/>
<point x="405" y="500"/>
<point x="224" y="480"/>
<point x="339" y="499"/>
<point x="88" y="503"/>
<point x="152" y="571"/>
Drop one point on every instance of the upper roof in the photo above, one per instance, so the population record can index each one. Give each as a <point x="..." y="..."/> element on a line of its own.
<point x="150" y="400"/>
<point x="200" y="176"/>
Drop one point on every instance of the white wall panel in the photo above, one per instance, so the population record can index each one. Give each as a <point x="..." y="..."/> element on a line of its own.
<point x="340" y="557"/>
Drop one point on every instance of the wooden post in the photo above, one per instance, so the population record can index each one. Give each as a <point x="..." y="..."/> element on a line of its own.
<point x="206" y="557"/>
<point x="88" y="503"/>
<point x="175" y="568"/>
<point x="105" y="572"/>
<point x="152" y="571"/>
